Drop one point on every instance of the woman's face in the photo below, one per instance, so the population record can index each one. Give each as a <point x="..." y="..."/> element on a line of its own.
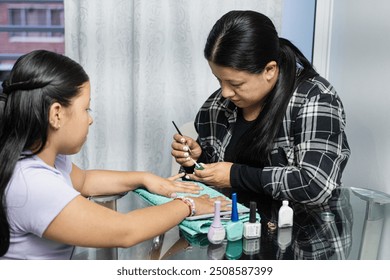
<point x="76" y="122"/>
<point x="246" y="90"/>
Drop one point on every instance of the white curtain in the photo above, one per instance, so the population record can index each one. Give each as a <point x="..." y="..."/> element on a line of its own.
<point x="146" y="66"/>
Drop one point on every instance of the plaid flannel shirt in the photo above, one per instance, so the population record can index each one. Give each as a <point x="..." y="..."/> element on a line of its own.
<point x="314" y="238"/>
<point x="309" y="153"/>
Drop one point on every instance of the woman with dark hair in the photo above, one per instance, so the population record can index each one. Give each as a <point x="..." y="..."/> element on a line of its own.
<point x="275" y="126"/>
<point x="44" y="118"/>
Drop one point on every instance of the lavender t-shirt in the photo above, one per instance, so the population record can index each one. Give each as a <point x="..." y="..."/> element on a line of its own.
<point x="35" y="195"/>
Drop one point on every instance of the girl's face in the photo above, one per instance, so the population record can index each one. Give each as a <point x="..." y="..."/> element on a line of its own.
<point x="246" y="90"/>
<point x="75" y="121"/>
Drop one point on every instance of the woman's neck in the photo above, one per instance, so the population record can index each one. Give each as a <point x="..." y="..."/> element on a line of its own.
<point x="251" y="113"/>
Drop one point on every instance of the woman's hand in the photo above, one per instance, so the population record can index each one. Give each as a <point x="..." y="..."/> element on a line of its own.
<point x="205" y="205"/>
<point x="169" y="187"/>
<point x="184" y="148"/>
<point x="215" y="174"/>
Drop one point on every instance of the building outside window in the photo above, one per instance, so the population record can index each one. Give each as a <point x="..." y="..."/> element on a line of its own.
<point x="29" y="25"/>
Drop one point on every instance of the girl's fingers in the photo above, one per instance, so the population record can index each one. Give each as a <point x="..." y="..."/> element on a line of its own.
<point x="222" y="198"/>
<point x="176" y="177"/>
<point x="225" y="207"/>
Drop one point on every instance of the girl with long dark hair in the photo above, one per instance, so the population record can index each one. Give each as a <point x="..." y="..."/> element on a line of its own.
<point x="44" y="212"/>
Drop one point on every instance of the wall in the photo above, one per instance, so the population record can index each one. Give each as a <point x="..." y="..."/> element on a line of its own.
<point x="353" y="52"/>
<point x="359" y="68"/>
<point x="298" y="24"/>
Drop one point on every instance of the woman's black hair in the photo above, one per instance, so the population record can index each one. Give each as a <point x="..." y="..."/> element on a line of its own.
<point x="37" y="80"/>
<point x="248" y="41"/>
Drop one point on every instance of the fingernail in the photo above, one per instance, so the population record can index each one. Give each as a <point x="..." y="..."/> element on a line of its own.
<point x="187" y="159"/>
<point x="186" y="154"/>
<point x="187" y="177"/>
<point x="182" y="140"/>
<point x="185" y="148"/>
<point x="173" y="195"/>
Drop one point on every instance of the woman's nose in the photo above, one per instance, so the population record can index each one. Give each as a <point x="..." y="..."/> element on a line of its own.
<point x="227" y="92"/>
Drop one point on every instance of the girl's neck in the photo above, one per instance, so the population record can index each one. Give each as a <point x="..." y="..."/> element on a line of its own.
<point x="47" y="157"/>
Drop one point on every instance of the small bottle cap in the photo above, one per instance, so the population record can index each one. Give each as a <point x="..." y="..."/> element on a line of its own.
<point x="234" y="208"/>
<point x="252" y="214"/>
<point x="285" y="202"/>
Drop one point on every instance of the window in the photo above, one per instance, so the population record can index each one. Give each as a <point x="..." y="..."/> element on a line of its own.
<point x="29" y="25"/>
<point x="36" y="17"/>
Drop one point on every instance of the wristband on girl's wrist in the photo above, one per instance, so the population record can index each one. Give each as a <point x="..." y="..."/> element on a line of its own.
<point x="190" y="203"/>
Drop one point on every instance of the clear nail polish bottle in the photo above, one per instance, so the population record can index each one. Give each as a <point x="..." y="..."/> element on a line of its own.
<point x="234" y="228"/>
<point x="216" y="233"/>
<point x="252" y="229"/>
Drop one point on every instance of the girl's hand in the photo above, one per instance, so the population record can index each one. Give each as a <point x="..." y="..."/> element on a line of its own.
<point x="169" y="187"/>
<point x="205" y="205"/>
<point x="215" y="174"/>
<point x="184" y="148"/>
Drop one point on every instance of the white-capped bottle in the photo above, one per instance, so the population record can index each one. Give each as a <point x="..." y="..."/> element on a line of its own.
<point x="285" y="217"/>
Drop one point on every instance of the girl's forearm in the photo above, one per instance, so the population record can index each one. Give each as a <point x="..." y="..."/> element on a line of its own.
<point x="105" y="182"/>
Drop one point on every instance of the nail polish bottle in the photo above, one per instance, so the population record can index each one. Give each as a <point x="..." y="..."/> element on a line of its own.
<point x="252" y="229"/>
<point x="285" y="217"/>
<point x="234" y="228"/>
<point x="216" y="233"/>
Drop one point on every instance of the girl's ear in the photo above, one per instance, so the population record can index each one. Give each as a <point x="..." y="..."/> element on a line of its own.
<point x="271" y="70"/>
<point x="54" y="115"/>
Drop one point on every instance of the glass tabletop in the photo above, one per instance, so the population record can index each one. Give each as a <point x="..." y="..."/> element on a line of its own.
<point x="354" y="224"/>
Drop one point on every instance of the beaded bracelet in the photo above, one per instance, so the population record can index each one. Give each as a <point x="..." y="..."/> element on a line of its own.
<point x="190" y="203"/>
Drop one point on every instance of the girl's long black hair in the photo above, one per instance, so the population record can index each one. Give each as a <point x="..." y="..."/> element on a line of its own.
<point x="247" y="41"/>
<point x="37" y="80"/>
